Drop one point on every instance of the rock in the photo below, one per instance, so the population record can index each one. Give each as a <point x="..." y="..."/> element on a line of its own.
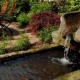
<point x="70" y="76"/>
<point x="63" y="26"/>
<point x="57" y="37"/>
<point x="64" y="29"/>
<point x="76" y="35"/>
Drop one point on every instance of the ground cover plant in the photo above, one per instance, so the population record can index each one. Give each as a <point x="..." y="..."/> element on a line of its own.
<point x="3" y="47"/>
<point x="4" y="43"/>
<point x="22" y="43"/>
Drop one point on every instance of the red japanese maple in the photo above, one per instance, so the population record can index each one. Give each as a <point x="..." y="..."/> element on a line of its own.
<point x="44" y="19"/>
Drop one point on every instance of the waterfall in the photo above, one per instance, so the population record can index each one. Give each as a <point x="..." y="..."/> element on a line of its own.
<point x="65" y="59"/>
<point x="66" y="46"/>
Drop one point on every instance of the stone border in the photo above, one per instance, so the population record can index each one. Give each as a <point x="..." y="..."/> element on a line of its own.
<point x="75" y="75"/>
<point x="12" y="55"/>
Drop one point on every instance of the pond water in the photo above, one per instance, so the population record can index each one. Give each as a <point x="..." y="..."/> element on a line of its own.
<point x="36" y="66"/>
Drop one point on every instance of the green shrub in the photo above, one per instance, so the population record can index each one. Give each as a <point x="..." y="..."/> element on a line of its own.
<point x="71" y="8"/>
<point x="29" y="15"/>
<point x="0" y="4"/>
<point x="22" y="19"/>
<point x="31" y="2"/>
<point x="45" y="34"/>
<point x="39" y="7"/>
<point x="22" y="43"/>
<point x="72" y="5"/>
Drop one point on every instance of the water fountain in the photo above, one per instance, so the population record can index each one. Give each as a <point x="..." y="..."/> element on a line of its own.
<point x="65" y="60"/>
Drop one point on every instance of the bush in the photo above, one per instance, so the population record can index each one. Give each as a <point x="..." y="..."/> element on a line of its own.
<point x="44" y="19"/>
<point x="39" y="7"/>
<point x="29" y="15"/>
<point x="22" y="19"/>
<point x="31" y="2"/>
<point x="71" y="8"/>
<point x="72" y="5"/>
<point x="45" y="34"/>
<point x="22" y="43"/>
<point x="1" y="1"/>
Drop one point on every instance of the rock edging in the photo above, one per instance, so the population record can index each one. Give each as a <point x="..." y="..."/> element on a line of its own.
<point x="8" y="56"/>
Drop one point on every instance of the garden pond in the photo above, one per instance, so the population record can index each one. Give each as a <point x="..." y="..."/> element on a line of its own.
<point x="37" y="66"/>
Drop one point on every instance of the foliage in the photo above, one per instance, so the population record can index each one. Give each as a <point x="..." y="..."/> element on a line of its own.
<point x="29" y="15"/>
<point x="44" y="19"/>
<point x="68" y="5"/>
<point x="29" y="6"/>
<point x="4" y="43"/>
<point x="31" y="2"/>
<point x="55" y="7"/>
<point x="2" y="47"/>
<point x="45" y="34"/>
<point x="22" y="19"/>
<point x="0" y="4"/>
<point x="22" y="43"/>
<point x="36" y="7"/>
<point x="10" y="9"/>
<point x="71" y="5"/>
<point x="22" y="6"/>
<point x="39" y="7"/>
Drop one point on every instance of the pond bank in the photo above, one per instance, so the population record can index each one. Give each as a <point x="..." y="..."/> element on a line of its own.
<point x="8" y="56"/>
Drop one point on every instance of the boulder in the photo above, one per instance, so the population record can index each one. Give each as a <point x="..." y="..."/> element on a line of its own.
<point x="57" y="38"/>
<point x="70" y="23"/>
